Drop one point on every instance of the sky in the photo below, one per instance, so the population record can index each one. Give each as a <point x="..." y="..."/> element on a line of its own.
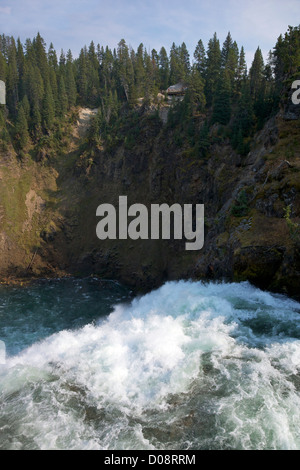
<point x="71" y="24"/>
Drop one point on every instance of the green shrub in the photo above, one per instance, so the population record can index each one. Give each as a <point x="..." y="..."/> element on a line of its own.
<point x="240" y="208"/>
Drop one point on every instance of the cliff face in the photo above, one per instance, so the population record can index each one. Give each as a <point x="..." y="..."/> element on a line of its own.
<point x="48" y="209"/>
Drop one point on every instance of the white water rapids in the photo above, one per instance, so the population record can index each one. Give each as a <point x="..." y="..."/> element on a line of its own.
<point x="187" y="366"/>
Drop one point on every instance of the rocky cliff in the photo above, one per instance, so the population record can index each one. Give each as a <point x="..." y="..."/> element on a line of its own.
<point x="252" y="207"/>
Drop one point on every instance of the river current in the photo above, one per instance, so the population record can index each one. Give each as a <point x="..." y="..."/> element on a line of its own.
<point x="188" y="366"/>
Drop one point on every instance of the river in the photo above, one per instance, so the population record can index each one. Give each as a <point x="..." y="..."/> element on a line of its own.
<point x="188" y="366"/>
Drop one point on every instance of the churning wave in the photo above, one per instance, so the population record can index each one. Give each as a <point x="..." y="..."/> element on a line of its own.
<point x="188" y="366"/>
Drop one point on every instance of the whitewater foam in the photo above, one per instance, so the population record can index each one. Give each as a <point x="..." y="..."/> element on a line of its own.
<point x="189" y="365"/>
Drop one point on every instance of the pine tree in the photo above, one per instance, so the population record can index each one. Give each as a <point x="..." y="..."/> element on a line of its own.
<point x="3" y="67"/>
<point x="36" y="121"/>
<point x="125" y="72"/>
<point x="106" y="68"/>
<point x="292" y="40"/>
<point x="94" y="131"/>
<point x="227" y="46"/>
<point x="196" y="90"/>
<point x="70" y="81"/>
<point x="52" y="57"/>
<point x="222" y="101"/>
<point x="256" y="74"/>
<point x="286" y="57"/>
<point x="30" y="52"/>
<point x="128" y="84"/>
<point x="92" y="56"/>
<point x="26" y="106"/>
<point x="53" y="79"/>
<point x="3" y="46"/>
<point x="82" y="76"/>
<point x="21" y="66"/>
<point x="176" y="66"/>
<point x="4" y="135"/>
<point x="213" y="68"/>
<point x="231" y="65"/>
<point x="41" y="56"/>
<point x="34" y="85"/>
<point x="185" y="60"/>
<point x="155" y="70"/>
<point x="279" y="54"/>
<point x="48" y="108"/>
<point x="93" y="82"/>
<point x="12" y="80"/>
<point x="93" y="86"/>
<point x="62" y="61"/>
<point x="200" y="58"/>
<point x="164" y="70"/>
<point x="230" y="60"/>
<point x="100" y="53"/>
<point x="21" y="129"/>
<point x="244" y="120"/>
<point x="63" y="98"/>
<point x="242" y="67"/>
<point x="139" y="71"/>
<point x="151" y="88"/>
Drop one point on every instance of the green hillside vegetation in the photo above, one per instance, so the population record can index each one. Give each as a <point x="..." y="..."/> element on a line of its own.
<point x="43" y="88"/>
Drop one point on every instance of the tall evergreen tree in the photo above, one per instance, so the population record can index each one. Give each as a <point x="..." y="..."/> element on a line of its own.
<point x="200" y="58"/>
<point x="227" y="46"/>
<point x="222" y="100"/>
<point x="48" y="108"/>
<point x="213" y="68"/>
<point x="256" y="74"/>
<point x="3" y="67"/>
<point x="4" y="134"/>
<point x="196" y="90"/>
<point x="21" y="66"/>
<point x="36" y="121"/>
<point x="53" y="79"/>
<point x="139" y="70"/>
<point x="63" y="98"/>
<point x="92" y="56"/>
<point x="52" y="57"/>
<point x="185" y="60"/>
<point x="150" y="83"/>
<point x="12" y="80"/>
<point x="41" y="56"/>
<point x="164" y="69"/>
<point x="245" y="116"/>
<point x="125" y="70"/>
<point x="242" y="66"/>
<point x="70" y="81"/>
<point x="21" y="129"/>
<point x="62" y="61"/>
<point x="177" y="72"/>
<point x="232" y="69"/>
<point x="26" y="106"/>
<point x="106" y="68"/>
<point x="34" y="85"/>
<point x="82" y="79"/>
<point x="155" y="69"/>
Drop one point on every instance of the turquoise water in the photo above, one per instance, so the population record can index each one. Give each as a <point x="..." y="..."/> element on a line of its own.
<point x="187" y="366"/>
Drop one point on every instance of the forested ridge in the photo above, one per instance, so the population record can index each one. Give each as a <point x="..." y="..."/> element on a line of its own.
<point x="44" y="88"/>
